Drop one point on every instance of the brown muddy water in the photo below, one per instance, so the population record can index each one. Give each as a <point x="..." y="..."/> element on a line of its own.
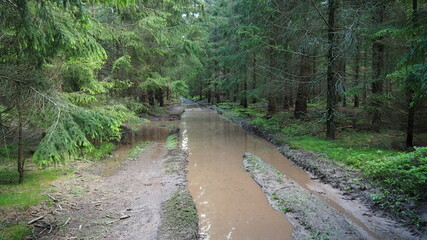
<point x="152" y="132"/>
<point x="229" y="203"/>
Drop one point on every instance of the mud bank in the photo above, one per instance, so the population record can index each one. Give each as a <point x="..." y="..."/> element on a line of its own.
<point x="311" y="217"/>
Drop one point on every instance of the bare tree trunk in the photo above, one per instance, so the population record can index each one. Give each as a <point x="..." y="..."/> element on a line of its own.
<point x="331" y="75"/>
<point x="254" y="78"/>
<point x="21" y="160"/>
<point x="302" y="92"/>
<point x="168" y="93"/>
<point x="160" y="97"/>
<point x="144" y="96"/>
<point x="245" y="91"/>
<point x="378" y="70"/>
<point x="341" y="73"/>
<point x="410" y="92"/>
<point x="357" y="73"/>
<point x="151" y="97"/>
<point x="271" y="109"/>
<point x="410" y="122"/>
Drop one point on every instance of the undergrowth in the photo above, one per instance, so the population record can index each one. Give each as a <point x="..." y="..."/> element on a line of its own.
<point x="172" y="141"/>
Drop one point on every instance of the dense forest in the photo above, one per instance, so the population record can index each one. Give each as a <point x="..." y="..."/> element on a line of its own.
<point x="343" y="74"/>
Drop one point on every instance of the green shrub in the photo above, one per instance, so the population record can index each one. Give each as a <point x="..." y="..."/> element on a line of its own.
<point x="172" y="141"/>
<point x="405" y="173"/>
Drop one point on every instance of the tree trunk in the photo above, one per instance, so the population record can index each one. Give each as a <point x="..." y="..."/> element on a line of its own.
<point x="410" y="93"/>
<point x="168" y="93"/>
<point x="254" y="79"/>
<point x="378" y="70"/>
<point x="151" y="97"/>
<point x="245" y="91"/>
<point x="411" y="120"/>
<point x="160" y="97"/>
<point x="331" y="76"/>
<point x="357" y="73"/>
<point x="21" y="160"/>
<point x="271" y="109"/>
<point x="302" y="92"/>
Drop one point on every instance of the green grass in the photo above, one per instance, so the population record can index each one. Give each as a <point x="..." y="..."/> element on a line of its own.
<point x="172" y="141"/>
<point x="340" y="152"/>
<point x="30" y="192"/>
<point x="14" y="232"/>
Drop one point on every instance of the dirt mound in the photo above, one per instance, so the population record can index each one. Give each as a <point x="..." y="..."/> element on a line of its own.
<point x="312" y="217"/>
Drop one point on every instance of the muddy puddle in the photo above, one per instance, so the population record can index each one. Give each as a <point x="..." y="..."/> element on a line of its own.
<point x="147" y="132"/>
<point x="229" y="203"/>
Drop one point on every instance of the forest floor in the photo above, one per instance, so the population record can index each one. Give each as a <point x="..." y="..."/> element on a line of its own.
<point x="144" y="197"/>
<point x="348" y="188"/>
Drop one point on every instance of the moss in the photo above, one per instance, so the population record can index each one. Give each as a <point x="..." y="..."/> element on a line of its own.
<point x="179" y="220"/>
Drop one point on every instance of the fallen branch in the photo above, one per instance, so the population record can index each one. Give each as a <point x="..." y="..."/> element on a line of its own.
<point x="66" y="222"/>
<point x="124" y="217"/>
<point x="51" y="197"/>
<point x="35" y="220"/>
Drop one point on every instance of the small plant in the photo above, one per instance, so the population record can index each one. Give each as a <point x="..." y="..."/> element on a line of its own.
<point x="172" y="141"/>
<point x="136" y="150"/>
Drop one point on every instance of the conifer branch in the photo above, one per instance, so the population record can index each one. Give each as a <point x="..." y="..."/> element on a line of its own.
<point x="320" y="13"/>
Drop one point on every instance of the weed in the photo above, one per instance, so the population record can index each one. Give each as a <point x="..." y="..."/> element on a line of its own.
<point x="136" y="150"/>
<point x="172" y="141"/>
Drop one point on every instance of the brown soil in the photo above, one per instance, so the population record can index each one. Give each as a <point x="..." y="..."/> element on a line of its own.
<point x="131" y="202"/>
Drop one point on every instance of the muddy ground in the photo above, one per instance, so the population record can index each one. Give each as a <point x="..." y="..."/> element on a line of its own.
<point x="144" y="197"/>
<point x="337" y="183"/>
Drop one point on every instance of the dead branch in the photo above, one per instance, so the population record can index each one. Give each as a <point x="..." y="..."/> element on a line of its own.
<point x="35" y="220"/>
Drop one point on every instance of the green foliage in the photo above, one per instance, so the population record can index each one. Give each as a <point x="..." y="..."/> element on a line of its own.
<point x="404" y="173"/>
<point x="73" y="130"/>
<point x="340" y="152"/>
<point x="172" y="141"/>
<point x="80" y="76"/>
<point x="14" y="232"/>
<point x="98" y="152"/>
<point x="122" y="64"/>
